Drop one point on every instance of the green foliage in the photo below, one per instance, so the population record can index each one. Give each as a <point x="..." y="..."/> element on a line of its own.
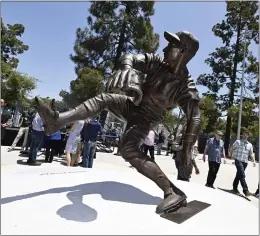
<point x="65" y="95"/>
<point x="170" y="120"/>
<point x="250" y="118"/>
<point x="15" y="86"/>
<point x="11" y="45"/>
<point x="88" y="84"/>
<point x="226" y="61"/>
<point x="114" y="28"/>
<point x="209" y="114"/>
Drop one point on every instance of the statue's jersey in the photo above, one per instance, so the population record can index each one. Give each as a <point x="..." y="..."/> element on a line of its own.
<point x="152" y="81"/>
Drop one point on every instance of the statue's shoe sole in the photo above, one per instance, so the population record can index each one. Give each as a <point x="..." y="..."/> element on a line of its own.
<point x="173" y="207"/>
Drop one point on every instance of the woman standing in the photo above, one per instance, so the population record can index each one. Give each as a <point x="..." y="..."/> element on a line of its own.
<point x="73" y="141"/>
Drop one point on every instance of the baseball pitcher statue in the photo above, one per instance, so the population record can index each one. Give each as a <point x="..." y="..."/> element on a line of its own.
<point x="141" y="92"/>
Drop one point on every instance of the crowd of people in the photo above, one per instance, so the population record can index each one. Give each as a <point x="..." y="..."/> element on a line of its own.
<point x="77" y="141"/>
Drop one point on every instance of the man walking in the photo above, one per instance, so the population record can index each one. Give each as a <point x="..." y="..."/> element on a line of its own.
<point x="215" y="150"/>
<point x="241" y="150"/>
<point x="91" y="131"/>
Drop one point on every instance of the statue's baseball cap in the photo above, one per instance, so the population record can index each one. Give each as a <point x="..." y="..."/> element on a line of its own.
<point x="172" y="38"/>
<point x="187" y="39"/>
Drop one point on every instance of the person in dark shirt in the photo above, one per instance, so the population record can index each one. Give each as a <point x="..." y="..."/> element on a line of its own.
<point x="24" y="130"/>
<point x="52" y="146"/>
<point x="90" y="133"/>
<point x="5" y="118"/>
<point x="215" y="151"/>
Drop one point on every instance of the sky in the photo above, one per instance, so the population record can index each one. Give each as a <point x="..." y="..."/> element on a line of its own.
<point x="50" y="32"/>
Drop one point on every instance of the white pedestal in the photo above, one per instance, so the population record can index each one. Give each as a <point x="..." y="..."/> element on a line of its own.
<point x="87" y="201"/>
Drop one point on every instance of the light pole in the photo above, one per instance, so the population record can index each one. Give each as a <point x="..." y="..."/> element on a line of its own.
<point x="242" y="87"/>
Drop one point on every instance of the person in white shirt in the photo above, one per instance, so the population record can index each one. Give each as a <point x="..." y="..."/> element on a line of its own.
<point x="149" y="144"/>
<point x="241" y="150"/>
<point x="37" y="137"/>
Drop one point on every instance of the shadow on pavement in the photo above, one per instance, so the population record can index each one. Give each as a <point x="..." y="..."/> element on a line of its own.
<point x="78" y="211"/>
<point x="232" y="192"/>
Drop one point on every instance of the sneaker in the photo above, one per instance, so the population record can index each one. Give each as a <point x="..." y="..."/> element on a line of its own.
<point x="33" y="163"/>
<point x="236" y="191"/>
<point x="247" y="194"/>
<point x="209" y="186"/>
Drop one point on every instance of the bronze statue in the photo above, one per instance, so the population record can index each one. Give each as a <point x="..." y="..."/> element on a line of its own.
<point x="141" y="92"/>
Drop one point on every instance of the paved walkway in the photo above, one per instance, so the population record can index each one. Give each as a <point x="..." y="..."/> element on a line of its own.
<point x="109" y="161"/>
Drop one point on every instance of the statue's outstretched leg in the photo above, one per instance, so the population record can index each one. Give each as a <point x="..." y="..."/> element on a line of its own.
<point x="54" y="121"/>
<point x="174" y="198"/>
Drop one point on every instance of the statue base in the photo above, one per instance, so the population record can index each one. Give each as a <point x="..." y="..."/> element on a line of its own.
<point x="185" y="213"/>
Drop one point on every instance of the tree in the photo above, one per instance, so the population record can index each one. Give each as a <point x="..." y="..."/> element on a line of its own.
<point x="209" y="114"/>
<point x="226" y="61"/>
<point x="66" y="98"/>
<point x="115" y="28"/>
<point x="170" y="120"/>
<point x="250" y="117"/>
<point x="11" y="45"/>
<point x="15" y="86"/>
<point x="88" y="84"/>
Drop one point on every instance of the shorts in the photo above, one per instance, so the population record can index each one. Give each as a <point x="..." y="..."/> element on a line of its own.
<point x="72" y="145"/>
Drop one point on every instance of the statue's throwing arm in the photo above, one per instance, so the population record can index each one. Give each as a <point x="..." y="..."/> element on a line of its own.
<point x="192" y="112"/>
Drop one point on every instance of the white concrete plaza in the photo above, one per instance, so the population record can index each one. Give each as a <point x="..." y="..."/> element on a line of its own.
<point x="55" y="199"/>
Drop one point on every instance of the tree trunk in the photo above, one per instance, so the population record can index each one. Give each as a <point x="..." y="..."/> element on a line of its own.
<point x="119" y="52"/>
<point x="232" y="88"/>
